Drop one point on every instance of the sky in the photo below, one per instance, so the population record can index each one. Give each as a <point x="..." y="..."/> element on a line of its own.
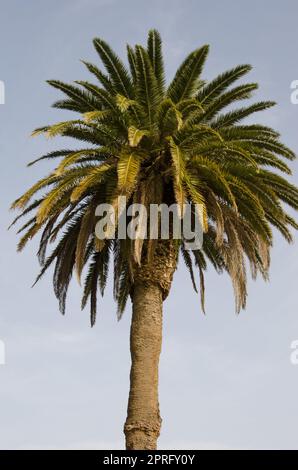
<point x="226" y="381"/>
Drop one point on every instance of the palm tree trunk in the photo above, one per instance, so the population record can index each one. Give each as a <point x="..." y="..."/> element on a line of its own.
<point x="152" y="284"/>
<point x="143" y="422"/>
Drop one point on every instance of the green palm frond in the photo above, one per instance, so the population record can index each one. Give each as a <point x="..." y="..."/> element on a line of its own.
<point x="154" y="48"/>
<point x="81" y="98"/>
<point x="115" y="68"/>
<point x="186" y="80"/>
<point x="233" y="117"/>
<point x="128" y="168"/>
<point x="183" y="144"/>
<point x="216" y="87"/>
<point x="147" y="91"/>
<point x="101" y="77"/>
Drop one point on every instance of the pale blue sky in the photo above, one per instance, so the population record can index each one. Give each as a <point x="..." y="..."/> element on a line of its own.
<point x="226" y="381"/>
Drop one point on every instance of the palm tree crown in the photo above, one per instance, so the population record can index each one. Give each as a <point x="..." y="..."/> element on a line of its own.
<point x="155" y="143"/>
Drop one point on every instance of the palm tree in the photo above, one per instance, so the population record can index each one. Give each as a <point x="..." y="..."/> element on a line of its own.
<point x="156" y="144"/>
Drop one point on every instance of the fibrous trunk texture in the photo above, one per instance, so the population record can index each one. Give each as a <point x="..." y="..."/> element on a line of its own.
<point x="152" y="284"/>
<point x="143" y="422"/>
